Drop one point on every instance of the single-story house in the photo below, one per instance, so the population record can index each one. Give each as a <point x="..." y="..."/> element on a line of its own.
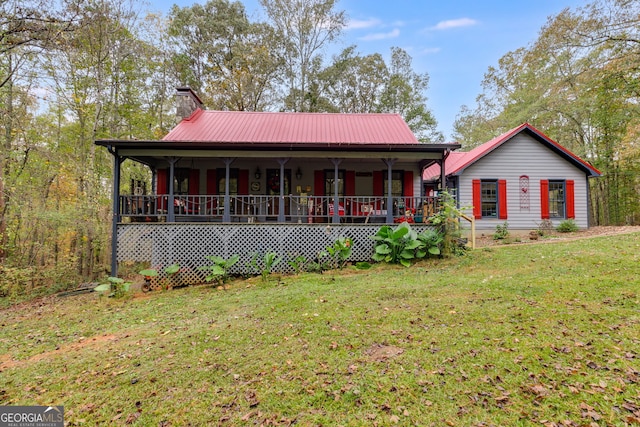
<point x="522" y="177"/>
<point x="228" y="182"/>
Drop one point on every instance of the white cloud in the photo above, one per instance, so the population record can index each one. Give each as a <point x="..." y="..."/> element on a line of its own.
<point x="357" y="24"/>
<point x="430" y="50"/>
<point x="454" y="23"/>
<point x="381" y="36"/>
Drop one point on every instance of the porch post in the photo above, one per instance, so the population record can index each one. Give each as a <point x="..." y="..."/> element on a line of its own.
<point x="336" y="191"/>
<point x="226" y="214"/>
<point x="117" y="161"/>
<point x="171" y="215"/>
<point x="281" y="215"/>
<point x="389" y="163"/>
<point x="443" y="172"/>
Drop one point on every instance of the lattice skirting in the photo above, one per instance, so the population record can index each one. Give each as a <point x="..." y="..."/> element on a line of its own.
<point x="162" y="244"/>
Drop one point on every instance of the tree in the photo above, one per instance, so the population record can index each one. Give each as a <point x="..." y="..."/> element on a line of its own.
<point x="304" y="28"/>
<point x="230" y="61"/>
<point x="353" y="83"/>
<point x="404" y="94"/>
<point x="26" y="27"/>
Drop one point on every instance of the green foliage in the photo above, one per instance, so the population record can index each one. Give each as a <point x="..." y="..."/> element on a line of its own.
<point x="219" y="270"/>
<point x="430" y="243"/>
<point x="117" y="287"/>
<point x="448" y="218"/>
<point x="396" y="246"/>
<point x="172" y="269"/>
<point x="298" y="263"/>
<point x="269" y="261"/>
<point x="502" y="231"/>
<point x="340" y="251"/>
<point x="567" y="226"/>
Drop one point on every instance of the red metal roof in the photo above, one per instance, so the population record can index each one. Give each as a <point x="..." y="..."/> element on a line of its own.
<point x="457" y="162"/>
<point x="242" y="127"/>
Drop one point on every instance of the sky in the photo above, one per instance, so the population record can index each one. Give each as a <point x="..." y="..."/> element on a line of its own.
<point x="453" y="41"/>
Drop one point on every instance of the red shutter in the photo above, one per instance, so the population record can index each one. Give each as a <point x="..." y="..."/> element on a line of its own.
<point x="570" y="196"/>
<point x="544" y="199"/>
<point x="477" y="198"/>
<point x="243" y="181"/>
<point x="502" y="199"/>
<point x="407" y="188"/>
<point x="194" y="182"/>
<point x="318" y="183"/>
<point x="350" y="183"/>
<point x="212" y="187"/>
<point x="161" y="188"/>
<point x="378" y="183"/>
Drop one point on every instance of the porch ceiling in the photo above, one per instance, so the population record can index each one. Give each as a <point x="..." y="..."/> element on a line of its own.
<point x="153" y="152"/>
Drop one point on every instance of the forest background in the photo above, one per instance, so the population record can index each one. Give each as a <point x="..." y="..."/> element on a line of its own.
<point x="75" y="71"/>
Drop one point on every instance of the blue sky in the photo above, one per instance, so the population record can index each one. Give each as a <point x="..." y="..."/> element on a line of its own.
<point x="454" y="41"/>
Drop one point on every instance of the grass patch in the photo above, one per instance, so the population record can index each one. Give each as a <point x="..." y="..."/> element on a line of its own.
<point x="523" y="335"/>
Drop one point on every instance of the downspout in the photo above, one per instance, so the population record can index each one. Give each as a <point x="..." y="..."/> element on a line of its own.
<point x="117" y="161"/>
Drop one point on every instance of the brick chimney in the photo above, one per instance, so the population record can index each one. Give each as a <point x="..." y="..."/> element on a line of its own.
<point x="186" y="102"/>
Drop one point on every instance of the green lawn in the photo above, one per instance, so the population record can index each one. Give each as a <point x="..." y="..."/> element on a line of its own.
<point x="545" y="334"/>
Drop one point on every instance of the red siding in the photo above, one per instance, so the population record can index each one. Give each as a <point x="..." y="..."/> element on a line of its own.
<point x="544" y="199"/>
<point x="502" y="199"/>
<point x="570" y="196"/>
<point x="477" y="198"/>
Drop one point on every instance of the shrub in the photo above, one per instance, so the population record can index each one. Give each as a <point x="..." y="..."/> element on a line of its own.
<point x="219" y="270"/>
<point x="117" y="287"/>
<point x="396" y="246"/>
<point x="502" y="231"/>
<point x="448" y="218"/>
<point x="567" y="226"/>
<point x="340" y="251"/>
<point x="545" y="227"/>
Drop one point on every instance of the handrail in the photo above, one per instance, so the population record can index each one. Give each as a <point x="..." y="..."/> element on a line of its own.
<point x="261" y="208"/>
<point x="472" y="220"/>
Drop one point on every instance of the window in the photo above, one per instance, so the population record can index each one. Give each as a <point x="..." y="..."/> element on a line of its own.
<point x="489" y="198"/>
<point x="489" y="202"/>
<point x="329" y="182"/>
<point x="181" y="181"/>
<point x="233" y="181"/>
<point x="397" y="183"/>
<point x="557" y="200"/>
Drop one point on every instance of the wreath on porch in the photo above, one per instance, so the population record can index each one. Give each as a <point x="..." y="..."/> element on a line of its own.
<point x="274" y="184"/>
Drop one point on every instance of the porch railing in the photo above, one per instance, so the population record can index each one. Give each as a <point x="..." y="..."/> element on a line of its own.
<point x="296" y="209"/>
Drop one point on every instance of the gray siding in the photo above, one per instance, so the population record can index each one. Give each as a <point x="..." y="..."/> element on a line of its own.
<point x="523" y="155"/>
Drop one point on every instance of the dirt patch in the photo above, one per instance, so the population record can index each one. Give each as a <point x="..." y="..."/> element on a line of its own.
<point x="6" y="362"/>
<point x="519" y="237"/>
<point x="380" y="352"/>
